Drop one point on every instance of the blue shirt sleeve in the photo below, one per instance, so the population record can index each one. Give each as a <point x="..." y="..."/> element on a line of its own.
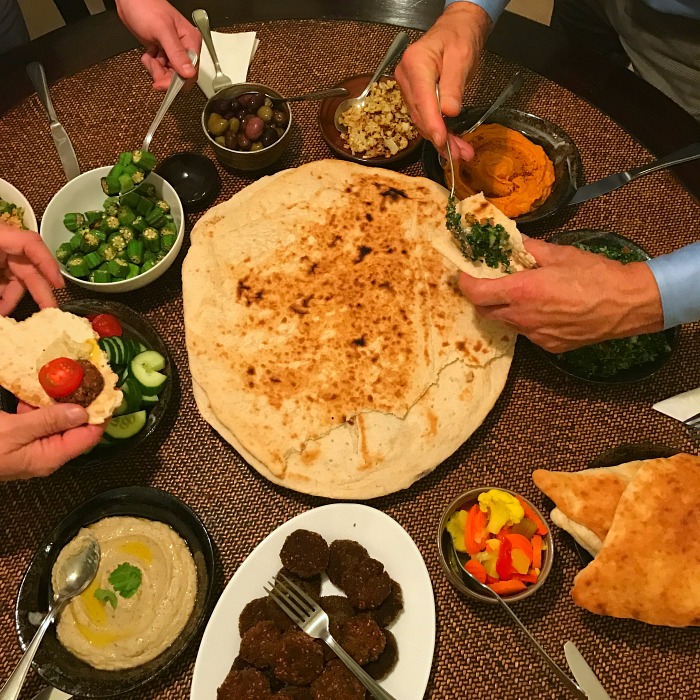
<point x="678" y="277"/>
<point x="493" y="7"/>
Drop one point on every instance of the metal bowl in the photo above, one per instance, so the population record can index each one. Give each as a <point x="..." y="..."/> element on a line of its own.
<point x="247" y="160"/>
<point x="453" y="568"/>
<point x="557" y="144"/>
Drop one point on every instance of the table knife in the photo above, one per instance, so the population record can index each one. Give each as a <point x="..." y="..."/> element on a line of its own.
<point x="51" y="693"/>
<point x="608" y="184"/>
<point x="36" y="74"/>
<point x="583" y="673"/>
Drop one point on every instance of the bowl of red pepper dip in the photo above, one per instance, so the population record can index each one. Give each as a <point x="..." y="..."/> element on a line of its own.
<point x="498" y="536"/>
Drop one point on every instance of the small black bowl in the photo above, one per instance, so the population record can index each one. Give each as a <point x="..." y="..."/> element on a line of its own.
<point x="627" y="376"/>
<point x="135" y="326"/>
<point x="194" y="177"/>
<point x="556" y="143"/>
<point x="54" y="663"/>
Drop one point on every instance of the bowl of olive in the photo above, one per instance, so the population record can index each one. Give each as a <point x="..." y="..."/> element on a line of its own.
<point x="247" y="125"/>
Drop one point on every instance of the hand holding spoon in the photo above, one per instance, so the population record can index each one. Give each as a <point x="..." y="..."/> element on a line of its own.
<point x="397" y="46"/>
<point x="74" y="577"/>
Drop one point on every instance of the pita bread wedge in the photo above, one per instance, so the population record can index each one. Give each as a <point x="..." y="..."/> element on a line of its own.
<point x="25" y="346"/>
<point x="649" y="566"/>
<point x="586" y="500"/>
<point x="327" y="339"/>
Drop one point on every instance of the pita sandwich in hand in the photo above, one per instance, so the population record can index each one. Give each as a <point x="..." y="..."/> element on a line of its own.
<point x="586" y="501"/>
<point x="649" y="566"/>
<point x="26" y="346"/>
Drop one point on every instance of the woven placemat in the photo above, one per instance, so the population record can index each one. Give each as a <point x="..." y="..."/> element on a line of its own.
<point x="542" y="419"/>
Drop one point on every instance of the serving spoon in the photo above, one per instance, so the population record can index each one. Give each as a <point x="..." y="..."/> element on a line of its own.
<point x="74" y="577"/>
<point x="316" y="95"/>
<point x="397" y="46"/>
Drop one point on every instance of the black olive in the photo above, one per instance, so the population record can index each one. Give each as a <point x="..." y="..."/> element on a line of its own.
<point x="244" y="142"/>
<point x="231" y="140"/>
<point x="229" y="115"/>
<point x="244" y="100"/>
<point x="220" y="105"/>
<point x="279" y="118"/>
<point x="235" y="106"/>
<point x="269" y="136"/>
<point x="257" y="101"/>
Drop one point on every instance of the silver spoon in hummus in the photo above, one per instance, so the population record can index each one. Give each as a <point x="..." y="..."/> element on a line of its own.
<point x="74" y="577"/>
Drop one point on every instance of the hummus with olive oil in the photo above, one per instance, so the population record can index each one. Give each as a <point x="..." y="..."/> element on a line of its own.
<point x="139" y="627"/>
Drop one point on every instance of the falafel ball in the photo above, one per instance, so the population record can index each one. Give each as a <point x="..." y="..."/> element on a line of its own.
<point x="337" y="683"/>
<point x="385" y="663"/>
<point x="247" y="684"/>
<point x="298" y="659"/>
<point x="304" y="553"/>
<point x="366" y="584"/>
<point x="293" y="692"/>
<point x="342" y="554"/>
<point x="311" y="586"/>
<point x="252" y="613"/>
<point x="339" y="610"/>
<point x="389" y="610"/>
<point x="259" y="644"/>
<point x="278" y="616"/>
<point x="362" y="638"/>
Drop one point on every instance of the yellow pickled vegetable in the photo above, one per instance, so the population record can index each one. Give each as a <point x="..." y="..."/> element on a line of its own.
<point x="455" y="526"/>
<point x="502" y="508"/>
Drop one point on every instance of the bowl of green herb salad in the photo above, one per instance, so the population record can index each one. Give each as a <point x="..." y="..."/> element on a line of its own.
<point x="621" y="360"/>
<point x="112" y="238"/>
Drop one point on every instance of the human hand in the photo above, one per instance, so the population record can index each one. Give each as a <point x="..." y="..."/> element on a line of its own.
<point x="448" y="52"/>
<point x="166" y="35"/>
<point x="573" y="298"/>
<point x="36" y="441"/>
<point x="26" y="264"/>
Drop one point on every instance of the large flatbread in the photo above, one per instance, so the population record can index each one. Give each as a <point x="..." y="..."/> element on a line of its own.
<point x="25" y="346"/>
<point x="649" y="566"/>
<point x="586" y="500"/>
<point x="327" y="339"/>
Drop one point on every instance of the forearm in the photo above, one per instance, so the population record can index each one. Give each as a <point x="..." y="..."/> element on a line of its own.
<point x="678" y="278"/>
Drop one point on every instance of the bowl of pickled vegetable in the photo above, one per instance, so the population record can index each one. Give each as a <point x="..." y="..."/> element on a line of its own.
<point x="246" y="127"/>
<point x="118" y="242"/>
<point x="140" y="359"/>
<point x="498" y="537"/>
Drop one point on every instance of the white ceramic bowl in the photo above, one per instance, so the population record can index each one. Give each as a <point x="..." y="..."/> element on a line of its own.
<point x="84" y="193"/>
<point x="11" y="194"/>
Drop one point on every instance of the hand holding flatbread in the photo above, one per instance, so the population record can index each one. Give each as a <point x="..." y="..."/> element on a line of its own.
<point x="648" y="567"/>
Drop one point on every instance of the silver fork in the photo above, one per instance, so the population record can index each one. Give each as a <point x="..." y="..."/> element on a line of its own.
<point x="221" y="81"/>
<point x="309" y="615"/>
<point x="449" y="150"/>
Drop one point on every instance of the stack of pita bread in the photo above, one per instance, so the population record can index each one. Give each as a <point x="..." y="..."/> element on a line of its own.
<point x="327" y="339"/>
<point x="641" y="521"/>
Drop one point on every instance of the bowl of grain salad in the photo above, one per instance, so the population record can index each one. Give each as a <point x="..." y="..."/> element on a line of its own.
<point x="15" y="209"/>
<point x="380" y="133"/>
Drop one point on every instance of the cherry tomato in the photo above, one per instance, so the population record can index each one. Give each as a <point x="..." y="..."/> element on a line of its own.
<point x="106" y="325"/>
<point x="60" y="377"/>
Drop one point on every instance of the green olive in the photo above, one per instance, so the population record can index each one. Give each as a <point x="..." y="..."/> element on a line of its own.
<point x="265" y="113"/>
<point x="234" y="124"/>
<point x="220" y="140"/>
<point x="216" y="124"/>
<point x="280" y="131"/>
<point x="268" y="102"/>
<point x="256" y="146"/>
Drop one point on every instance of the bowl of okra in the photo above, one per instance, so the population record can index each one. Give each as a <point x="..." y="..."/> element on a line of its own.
<point x="117" y="243"/>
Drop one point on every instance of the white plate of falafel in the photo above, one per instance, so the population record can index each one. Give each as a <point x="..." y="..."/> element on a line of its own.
<point x="366" y="572"/>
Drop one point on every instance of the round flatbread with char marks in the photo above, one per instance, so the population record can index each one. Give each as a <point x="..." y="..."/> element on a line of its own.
<point x="327" y="338"/>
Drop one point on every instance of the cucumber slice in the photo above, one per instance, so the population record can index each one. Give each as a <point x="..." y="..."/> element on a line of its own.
<point x="149" y="401"/>
<point x="132" y="396"/>
<point x="123" y="407"/>
<point x="123" y="375"/>
<point x="127" y="425"/>
<point x="119" y="351"/>
<point x="145" y="369"/>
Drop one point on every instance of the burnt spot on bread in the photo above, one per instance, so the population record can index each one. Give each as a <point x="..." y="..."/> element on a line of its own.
<point x="369" y="217"/>
<point x="360" y="342"/>
<point x="362" y="252"/>
<point x="250" y="370"/>
<point x="394" y="194"/>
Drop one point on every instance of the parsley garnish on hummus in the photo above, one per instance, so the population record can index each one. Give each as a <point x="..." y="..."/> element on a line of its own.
<point x="105" y="596"/>
<point x="482" y="241"/>
<point x="125" y="579"/>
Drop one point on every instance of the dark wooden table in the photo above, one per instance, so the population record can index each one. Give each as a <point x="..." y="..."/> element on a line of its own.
<point x="645" y="113"/>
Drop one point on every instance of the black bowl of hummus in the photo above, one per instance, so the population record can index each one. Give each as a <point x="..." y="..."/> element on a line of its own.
<point x="151" y="595"/>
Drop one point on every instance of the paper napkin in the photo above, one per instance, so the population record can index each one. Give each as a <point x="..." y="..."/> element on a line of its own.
<point x="235" y="52"/>
<point x="682" y="406"/>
